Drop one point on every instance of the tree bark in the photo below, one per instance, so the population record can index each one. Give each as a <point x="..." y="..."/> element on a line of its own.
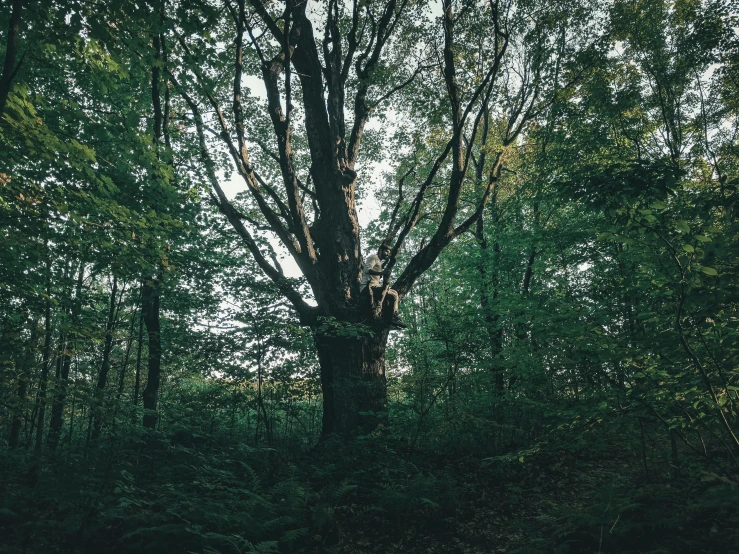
<point x="64" y="363"/>
<point x="353" y="378"/>
<point x="488" y="281"/>
<point x="55" y="420"/>
<point x="127" y="356"/>
<point x="150" y="287"/>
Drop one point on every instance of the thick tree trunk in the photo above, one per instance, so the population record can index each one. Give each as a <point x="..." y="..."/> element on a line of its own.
<point x="352" y="379"/>
<point x="328" y="249"/>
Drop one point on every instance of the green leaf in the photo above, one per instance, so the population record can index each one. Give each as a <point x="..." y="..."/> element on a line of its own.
<point x="709" y="271"/>
<point x="682" y="226"/>
<point x="688" y="248"/>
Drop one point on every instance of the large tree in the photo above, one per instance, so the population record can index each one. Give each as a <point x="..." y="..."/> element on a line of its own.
<point x="439" y="76"/>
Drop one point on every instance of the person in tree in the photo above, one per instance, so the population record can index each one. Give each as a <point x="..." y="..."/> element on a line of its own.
<point x="370" y="286"/>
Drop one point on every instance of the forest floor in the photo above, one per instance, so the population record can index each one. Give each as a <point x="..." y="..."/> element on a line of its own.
<point x="520" y="510"/>
<point x="601" y="499"/>
<point x="368" y="497"/>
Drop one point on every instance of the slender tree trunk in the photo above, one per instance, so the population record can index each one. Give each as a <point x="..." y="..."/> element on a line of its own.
<point x="30" y="428"/>
<point x="528" y="274"/>
<point x="150" y="299"/>
<point x="233" y="414"/>
<point x="261" y="409"/>
<point x="43" y="387"/>
<point x="150" y="288"/>
<point x="489" y="275"/>
<point x="88" y="436"/>
<point x="23" y="377"/>
<point x="15" y="425"/>
<point x="105" y="366"/>
<point x="488" y="281"/>
<point x="526" y="286"/>
<point x="70" y="435"/>
<point x="46" y="362"/>
<point x="139" y="347"/>
<point x="523" y="328"/>
<point x="127" y="356"/>
<point x="64" y="362"/>
<point x="11" y="52"/>
<point x="63" y="367"/>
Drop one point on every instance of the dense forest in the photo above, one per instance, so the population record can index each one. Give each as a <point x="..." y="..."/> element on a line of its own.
<point x="191" y="195"/>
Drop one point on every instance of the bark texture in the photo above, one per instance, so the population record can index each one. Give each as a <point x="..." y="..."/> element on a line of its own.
<point x="353" y="381"/>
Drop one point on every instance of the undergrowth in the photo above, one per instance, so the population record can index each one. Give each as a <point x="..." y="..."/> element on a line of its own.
<point x="151" y="493"/>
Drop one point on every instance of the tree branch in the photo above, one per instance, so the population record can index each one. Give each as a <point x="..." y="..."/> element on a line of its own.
<point x="241" y="159"/>
<point x="305" y="311"/>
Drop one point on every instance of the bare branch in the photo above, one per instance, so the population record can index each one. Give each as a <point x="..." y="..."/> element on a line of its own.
<point x="242" y="164"/>
<point x="270" y="23"/>
<point x="281" y="124"/>
<point x="305" y="311"/>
